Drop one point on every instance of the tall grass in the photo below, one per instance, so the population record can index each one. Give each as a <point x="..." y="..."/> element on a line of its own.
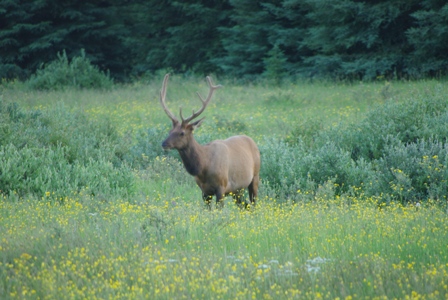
<point x="172" y="248"/>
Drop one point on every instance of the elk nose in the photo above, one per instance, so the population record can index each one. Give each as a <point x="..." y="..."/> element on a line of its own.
<point x="165" y="145"/>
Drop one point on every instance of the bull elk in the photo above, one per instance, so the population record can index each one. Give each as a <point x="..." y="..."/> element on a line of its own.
<point x="221" y="167"/>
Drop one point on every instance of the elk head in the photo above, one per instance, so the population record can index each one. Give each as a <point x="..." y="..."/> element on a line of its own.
<point x="181" y="135"/>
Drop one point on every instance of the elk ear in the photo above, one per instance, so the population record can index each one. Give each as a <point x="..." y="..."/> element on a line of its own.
<point x="196" y="124"/>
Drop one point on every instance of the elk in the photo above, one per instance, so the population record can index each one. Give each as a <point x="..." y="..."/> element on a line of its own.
<point x="221" y="167"/>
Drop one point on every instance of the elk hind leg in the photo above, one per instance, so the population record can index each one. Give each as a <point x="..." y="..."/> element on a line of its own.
<point x="253" y="190"/>
<point x="208" y="200"/>
<point x="219" y="199"/>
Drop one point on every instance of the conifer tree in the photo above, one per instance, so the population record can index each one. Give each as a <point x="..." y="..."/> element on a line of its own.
<point x="185" y="35"/>
<point x="429" y="38"/>
<point x="33" y="32"/>
<point x="358" y="39"/>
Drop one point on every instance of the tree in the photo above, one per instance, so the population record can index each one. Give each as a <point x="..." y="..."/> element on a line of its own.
<point x="33" y="32"/>
<point x="351" y="39"/>
<point x="245" y="40"/>
<point x="429" y="38"/>
<point x="357" y="39"/>
<point x="23" y="37"/>
<point x="184" y="35"/>
<point x="275" y="65"/>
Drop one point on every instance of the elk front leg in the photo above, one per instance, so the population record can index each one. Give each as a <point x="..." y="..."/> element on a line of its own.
<point x="238" y="198"/>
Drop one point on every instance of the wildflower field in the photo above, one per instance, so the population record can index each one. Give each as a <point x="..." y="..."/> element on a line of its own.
<point x="92" y="208"/>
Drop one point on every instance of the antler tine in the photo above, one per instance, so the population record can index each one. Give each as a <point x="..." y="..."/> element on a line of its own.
<point x="204" y="102"/>
<point x="163" y="97"/>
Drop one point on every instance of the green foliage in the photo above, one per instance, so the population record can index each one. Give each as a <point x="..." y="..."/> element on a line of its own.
<point x="420" y="118"/>
<point x="306" y="131"/>
<point x="147" y="147"/>
<point x="33" y="32"/>
<point x="359" y="39"/>
<point x="277" y="169"/>
<point x="398" y="151"/>
<point x="343" y="39"/>
<point x="61" y="152"/>
<point x="244" y="40"/>
<point x="291" y="170"/>
<point x="185" y="34"/>
<point x="275" y="65"/>
<point x="413" y="171"/>
<point x="62" y="73"/>
<point x="39" y="171"/>
<point x="430" y="39"/>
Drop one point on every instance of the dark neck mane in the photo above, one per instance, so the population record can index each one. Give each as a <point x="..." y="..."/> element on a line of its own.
<point x="191" y="158"/>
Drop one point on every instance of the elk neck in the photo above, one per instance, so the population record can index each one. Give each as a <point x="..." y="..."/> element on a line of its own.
<point x="191" y="157"/>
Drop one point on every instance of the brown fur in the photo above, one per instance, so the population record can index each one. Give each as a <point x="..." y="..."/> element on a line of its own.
<point x="221" y="167"/>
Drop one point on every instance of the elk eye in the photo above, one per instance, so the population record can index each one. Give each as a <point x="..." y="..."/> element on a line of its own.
<point x="182" y="133"/>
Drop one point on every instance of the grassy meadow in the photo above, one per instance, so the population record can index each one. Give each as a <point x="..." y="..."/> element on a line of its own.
<point x="130" y="222"/>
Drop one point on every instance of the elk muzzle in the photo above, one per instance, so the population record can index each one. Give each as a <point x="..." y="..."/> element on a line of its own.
<point x="166" y="145"/>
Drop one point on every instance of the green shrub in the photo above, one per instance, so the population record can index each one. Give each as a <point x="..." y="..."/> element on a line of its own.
<point x="306" y="131"/>
<point x="61" y="73"/>
<point x="281" y="163"/>
<point x="288" y="168"/>
<point x="83" y="138"/>
<point x="330" y="162"/>
<point x="397" y="152"/>
<point x="422" y="117"/>
<point x="147" y="147"/>
<point x="413" y="171"/>
<point x="60" y="152"/>
<point x="46" y="172"/>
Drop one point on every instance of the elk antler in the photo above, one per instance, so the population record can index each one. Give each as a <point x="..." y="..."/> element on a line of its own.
<point x="162" y="99"/>
<point x="204" y="102"/>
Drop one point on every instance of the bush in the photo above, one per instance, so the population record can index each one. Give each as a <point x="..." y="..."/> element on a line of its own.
<point x="306" y="131"/>
<point x="289" y="171"/>
<point x="39" y="171"/>
<point x="147" y="147"/>
<point x="281" y="163"/>
<point x="413" y="171"/>
<point x="399" y="151"/>
<point x="84" y="139"/>
<point x="60" y="152"/>
<point x="61" y="73"/>
<point x="423" y="117"/>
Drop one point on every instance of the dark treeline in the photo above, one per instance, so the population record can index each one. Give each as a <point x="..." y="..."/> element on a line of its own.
<point x="241" y="38"/>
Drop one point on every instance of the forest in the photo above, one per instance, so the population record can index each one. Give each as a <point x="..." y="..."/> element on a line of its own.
<point x="340" y="39"/>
